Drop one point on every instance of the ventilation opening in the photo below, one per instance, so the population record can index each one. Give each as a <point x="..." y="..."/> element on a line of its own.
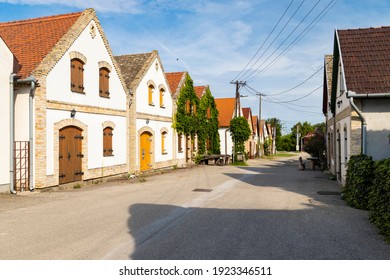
<point x="202" y="190"/>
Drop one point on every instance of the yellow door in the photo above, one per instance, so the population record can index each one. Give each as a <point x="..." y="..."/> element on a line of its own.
<point x="145" y="151"/>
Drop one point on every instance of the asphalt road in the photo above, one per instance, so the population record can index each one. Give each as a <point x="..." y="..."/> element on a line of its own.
<point x="268" y="210"/>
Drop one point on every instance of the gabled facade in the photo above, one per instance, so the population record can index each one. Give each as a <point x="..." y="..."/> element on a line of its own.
<point x="360" y="93"/>
<point x="152" y="135"/>
<point x="71" y="103"/>
<point x="207" y="115"/>
<point x="256" y="126"/>
<point x="226" y="112"/>
<point x="250" y="145"/>
<point x="186" y="102"/>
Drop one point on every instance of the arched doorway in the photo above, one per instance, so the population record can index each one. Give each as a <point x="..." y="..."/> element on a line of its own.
<point x="145" y="150"/>
<point x="70" y="154"/>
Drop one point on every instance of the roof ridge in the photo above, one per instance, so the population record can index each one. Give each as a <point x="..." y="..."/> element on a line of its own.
<point x="40" y="19"/>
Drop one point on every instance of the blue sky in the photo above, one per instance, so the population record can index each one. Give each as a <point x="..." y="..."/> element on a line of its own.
<point x="215" y="40"/>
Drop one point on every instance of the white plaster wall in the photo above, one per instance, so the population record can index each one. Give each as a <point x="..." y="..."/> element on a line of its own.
<point x="156" y="127"/>
<point x="6" y="62"/>
<point x="58" y="80"/>
<point x="95" y="138"/>
<point x="377" y="114"/>
<point x="22" y="114"/>
<point x="225" y="141"/>
<point x="158" y="77"/>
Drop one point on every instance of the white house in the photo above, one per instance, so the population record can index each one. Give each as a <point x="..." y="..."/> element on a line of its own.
<point x="152" y="135"/>
<point x="357" y="101"/>
<point x="226" y="108"/>
<point x="7" y="65"/>
<point x="71" y="103"/>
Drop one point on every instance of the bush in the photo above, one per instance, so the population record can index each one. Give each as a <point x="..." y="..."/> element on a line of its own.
<point x="379" y="198"/>
<point x="359" y="181"/>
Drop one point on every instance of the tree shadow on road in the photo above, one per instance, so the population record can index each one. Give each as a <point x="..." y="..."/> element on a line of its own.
<point x="162" y="232"/>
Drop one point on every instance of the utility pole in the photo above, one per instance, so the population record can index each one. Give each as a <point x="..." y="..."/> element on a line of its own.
<point x="260" y="95"/>
<point x="238" y="84"/>
<point x="297" y="146"/>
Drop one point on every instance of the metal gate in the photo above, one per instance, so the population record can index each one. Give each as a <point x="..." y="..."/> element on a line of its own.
<point x="21" y="165"/>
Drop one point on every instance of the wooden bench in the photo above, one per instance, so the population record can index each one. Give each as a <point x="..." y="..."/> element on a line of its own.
<point x="218" y="159"/>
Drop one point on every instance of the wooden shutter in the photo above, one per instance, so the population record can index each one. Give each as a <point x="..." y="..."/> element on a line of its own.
<point x="188" y="106"/>
<point x="179" y="142"/>
<point x="208" y="113"/>
<point x="107" y="142"/>
<point x="161" y="98"/>
<point x="76" y="76"/>
<point x="150" y="94"/>
<point x="104" y="78"/>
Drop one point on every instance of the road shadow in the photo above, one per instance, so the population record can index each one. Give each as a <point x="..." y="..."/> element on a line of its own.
<point x="167" y="232"/>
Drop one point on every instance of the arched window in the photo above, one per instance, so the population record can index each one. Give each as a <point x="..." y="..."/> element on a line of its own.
<point x="104" y="85"/>
<point x="162" y="92"/>
<point x="107" y="141"/>
<point x="77" y="75"/>
<point x="150" y="95"/>
<point x="163" y="138"/>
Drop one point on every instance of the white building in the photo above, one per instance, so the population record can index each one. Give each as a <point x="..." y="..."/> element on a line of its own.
<point x="152" y="136"/>
<point x="75" y="121"/>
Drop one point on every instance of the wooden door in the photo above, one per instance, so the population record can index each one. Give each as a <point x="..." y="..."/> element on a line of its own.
<point x="145" y="151"/>
<point x="188" y="148"/>
<point x="70" y="154"/>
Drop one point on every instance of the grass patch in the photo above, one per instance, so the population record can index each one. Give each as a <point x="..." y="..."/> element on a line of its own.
<point x="280" y="154"/>
<point x="239" y="163"/>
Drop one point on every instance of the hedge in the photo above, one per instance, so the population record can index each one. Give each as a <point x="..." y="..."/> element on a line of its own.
<point x="379" y="198"/>
<point x="368" y="187"/>
<point x="359" y="181"/>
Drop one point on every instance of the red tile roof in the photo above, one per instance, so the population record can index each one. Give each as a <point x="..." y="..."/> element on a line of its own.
<point x="175" y="80"/>
<point x="225" y="107"/>
<point x="366" y="58"/>
<point x="246" y="112"/>
<point x="255" y="124"/>
<point x="32" y="39"/>
<point x="199" y="91"/>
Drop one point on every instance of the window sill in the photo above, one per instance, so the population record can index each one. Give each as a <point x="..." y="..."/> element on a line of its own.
<point x="104" y="96"/>
<point x="162" y="107"/>
<point x="80" y="92"/>
<point x="151" y="104"/>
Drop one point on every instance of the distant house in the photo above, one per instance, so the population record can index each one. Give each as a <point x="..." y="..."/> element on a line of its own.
<point x="151" y="132"/>
<point x="184" y="110"/>
<point x="357" y="106"/>
<point x="70" y="112"/>
<point x="207" y="114"/>
<point x="227" y="109"/>
<point x="250" y="145"/>
<point x="256" y="134"/>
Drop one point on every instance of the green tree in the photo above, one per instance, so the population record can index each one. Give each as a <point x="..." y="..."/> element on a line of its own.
<point x="185" y="120"/>
<point x="240" y="132"/>
<point x="207" y="115"/>
<point x="278" y="124"/>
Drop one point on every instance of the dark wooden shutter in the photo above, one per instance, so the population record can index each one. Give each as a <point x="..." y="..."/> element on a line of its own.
<point x="107" y="142"/>
<point x="104" y="77"/>
<point x="76" y="76"/>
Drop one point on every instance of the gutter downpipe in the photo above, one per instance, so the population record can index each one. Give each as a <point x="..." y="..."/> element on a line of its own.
<point x="33" y="82"/>
<point x="363" y="120"/>
<point x="12" y="133"/>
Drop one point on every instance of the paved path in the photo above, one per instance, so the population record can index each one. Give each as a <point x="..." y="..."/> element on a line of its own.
<point x="268" y="210"/>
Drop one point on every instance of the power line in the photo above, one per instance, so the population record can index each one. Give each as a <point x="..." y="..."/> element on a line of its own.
<point x="284" y="41"/>
<point x="302" y="34"/>
<point x="262" y="45"/>
<point x="277" y="36"/>
<point x="289" y="101"/>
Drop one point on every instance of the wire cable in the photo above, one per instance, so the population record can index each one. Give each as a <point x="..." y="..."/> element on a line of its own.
<point x="262" y="45"/>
